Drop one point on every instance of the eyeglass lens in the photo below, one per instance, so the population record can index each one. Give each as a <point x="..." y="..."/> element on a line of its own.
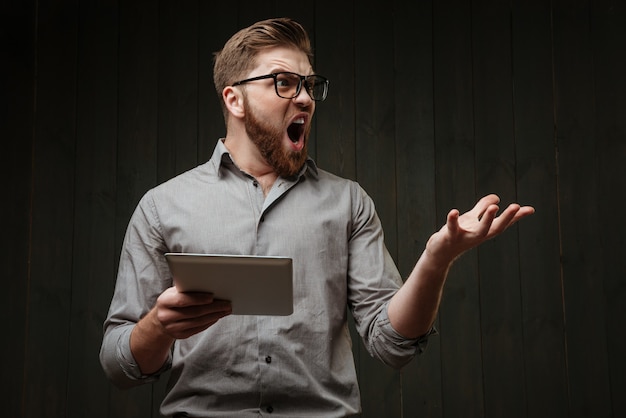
<point x="288" y="86"/>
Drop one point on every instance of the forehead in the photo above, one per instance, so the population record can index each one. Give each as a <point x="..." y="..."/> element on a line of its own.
<point x="281" y="59"/>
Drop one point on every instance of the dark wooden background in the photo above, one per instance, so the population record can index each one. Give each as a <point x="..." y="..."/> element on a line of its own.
<point x="432" y="105"/>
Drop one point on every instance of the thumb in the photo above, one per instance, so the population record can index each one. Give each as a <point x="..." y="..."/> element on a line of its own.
<point x="452" y="221"/>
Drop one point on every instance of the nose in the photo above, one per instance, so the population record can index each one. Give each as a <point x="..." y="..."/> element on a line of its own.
<point x="303" y="98"/>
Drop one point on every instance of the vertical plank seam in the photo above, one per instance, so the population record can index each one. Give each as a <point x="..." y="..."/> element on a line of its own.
<point x="30" y="203"/>
<point x="558" y="203"/>
<point x="516" y="176"/>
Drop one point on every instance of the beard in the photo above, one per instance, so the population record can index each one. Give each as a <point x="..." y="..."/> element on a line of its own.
<point x="269" y="140"/>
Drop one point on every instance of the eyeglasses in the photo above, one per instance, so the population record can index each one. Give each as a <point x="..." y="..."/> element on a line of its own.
<point x="288" y="85"/>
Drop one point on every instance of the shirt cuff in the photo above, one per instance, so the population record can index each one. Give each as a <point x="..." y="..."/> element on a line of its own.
<point x="392" y="335"/>
<point x="131" y="369"/>
<point x="393" y="348"/>
<point x="422" y="342"/>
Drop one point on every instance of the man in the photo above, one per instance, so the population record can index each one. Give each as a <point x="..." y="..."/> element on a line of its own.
<point x="260" y="194"/>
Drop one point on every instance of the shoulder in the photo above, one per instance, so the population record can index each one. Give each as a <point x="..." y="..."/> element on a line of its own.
<point x="329" y="179"/>
<point x="345" y="189"/>
<point x="202" y="174"/>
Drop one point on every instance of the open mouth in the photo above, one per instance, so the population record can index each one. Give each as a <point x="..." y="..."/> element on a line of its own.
<point x="295" y="131"/>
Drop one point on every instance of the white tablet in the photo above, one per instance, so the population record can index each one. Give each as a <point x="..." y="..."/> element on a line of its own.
<point x="255" y="285"/>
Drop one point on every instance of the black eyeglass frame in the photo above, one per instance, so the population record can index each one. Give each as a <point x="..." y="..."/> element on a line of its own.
<point x="302" y="81"/>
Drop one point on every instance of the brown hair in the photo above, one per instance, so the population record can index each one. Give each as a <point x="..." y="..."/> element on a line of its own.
<point x="238" y="56"/>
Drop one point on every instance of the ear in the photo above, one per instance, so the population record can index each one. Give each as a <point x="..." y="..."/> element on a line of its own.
<point x="233" y="98"/>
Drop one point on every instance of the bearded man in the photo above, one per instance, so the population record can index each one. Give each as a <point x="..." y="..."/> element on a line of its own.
<point x="261" y="195"/>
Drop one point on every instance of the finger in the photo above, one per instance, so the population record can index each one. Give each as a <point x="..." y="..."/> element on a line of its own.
<point x="194" y="299"/>
<point x="215" y="307"/>
<point x="173" y="298"/>
<point x="487" y="219"/>
<point x="483" y="204"/>
<point x="209" y="318"/>
<point x="185" y="329"/>
<point x="505" y="220"/>
<point x="522" y="213"/>
<point x="221" y="305"/>
<point x="452" y="221"/>
<point x="192" y="312"/>
<point x="195" y="316"/>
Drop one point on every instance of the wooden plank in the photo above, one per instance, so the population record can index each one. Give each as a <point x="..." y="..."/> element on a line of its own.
<point x="375" y="160"/>
<point x="583" y="264"/>
<point x="50" y="285"/>
<point x="306" y="16"/>
<point x="138" y="111"/>
<point x="218" y="21"/>
<point x="334" y="58"/>
<point x="375" y="110"/>
<point x="415" y="176"/>
<point x="137" y="146"/>
<point x="251" y="11"/>
<point x="178" y="88"/>
<point x="608" y="42"/>
<point x="17" y="83"/>
<point x="500" y="299"/>
<point x="94" y="251"/>
<point x="459" y="316"/>
<point x="544" y="345"/>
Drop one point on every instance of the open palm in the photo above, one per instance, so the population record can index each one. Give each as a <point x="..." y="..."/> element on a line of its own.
<point x="481" y="223"/>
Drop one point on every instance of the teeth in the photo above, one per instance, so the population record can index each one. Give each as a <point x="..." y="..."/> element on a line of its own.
<point x="299" y="121"/>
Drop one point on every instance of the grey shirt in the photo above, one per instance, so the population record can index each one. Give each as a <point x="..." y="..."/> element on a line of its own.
<point x="298" y="365"/>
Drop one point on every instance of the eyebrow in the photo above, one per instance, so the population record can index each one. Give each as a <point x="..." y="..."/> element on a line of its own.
<point x="274" y="71"/>
<point x="280" y="69"/>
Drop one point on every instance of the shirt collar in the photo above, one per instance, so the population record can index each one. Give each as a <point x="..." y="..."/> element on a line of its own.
<point x="221" y="156"/>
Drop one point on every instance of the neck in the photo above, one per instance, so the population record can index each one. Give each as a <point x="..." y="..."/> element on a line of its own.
<point x="249" y="160"/>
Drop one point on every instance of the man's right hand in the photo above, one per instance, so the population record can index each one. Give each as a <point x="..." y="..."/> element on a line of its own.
<point x="183" y="314"/>
<point x="176" y="315"/>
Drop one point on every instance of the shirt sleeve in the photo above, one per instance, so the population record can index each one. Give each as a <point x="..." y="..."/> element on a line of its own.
<point x="142" y="276"/>
<point x="373" y="279"/>
<point x="391" y="347"/>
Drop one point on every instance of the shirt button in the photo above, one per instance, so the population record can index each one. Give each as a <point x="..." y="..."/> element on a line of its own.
<point x="269" y="409"/>
<point x="268" y="360"/>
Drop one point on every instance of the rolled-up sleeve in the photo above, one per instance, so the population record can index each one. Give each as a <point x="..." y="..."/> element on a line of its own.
<point x="373" y="280"/>
<point x="119" y="364"/>
<point x="142" y="276"/>
<point x="392" y="348"/>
